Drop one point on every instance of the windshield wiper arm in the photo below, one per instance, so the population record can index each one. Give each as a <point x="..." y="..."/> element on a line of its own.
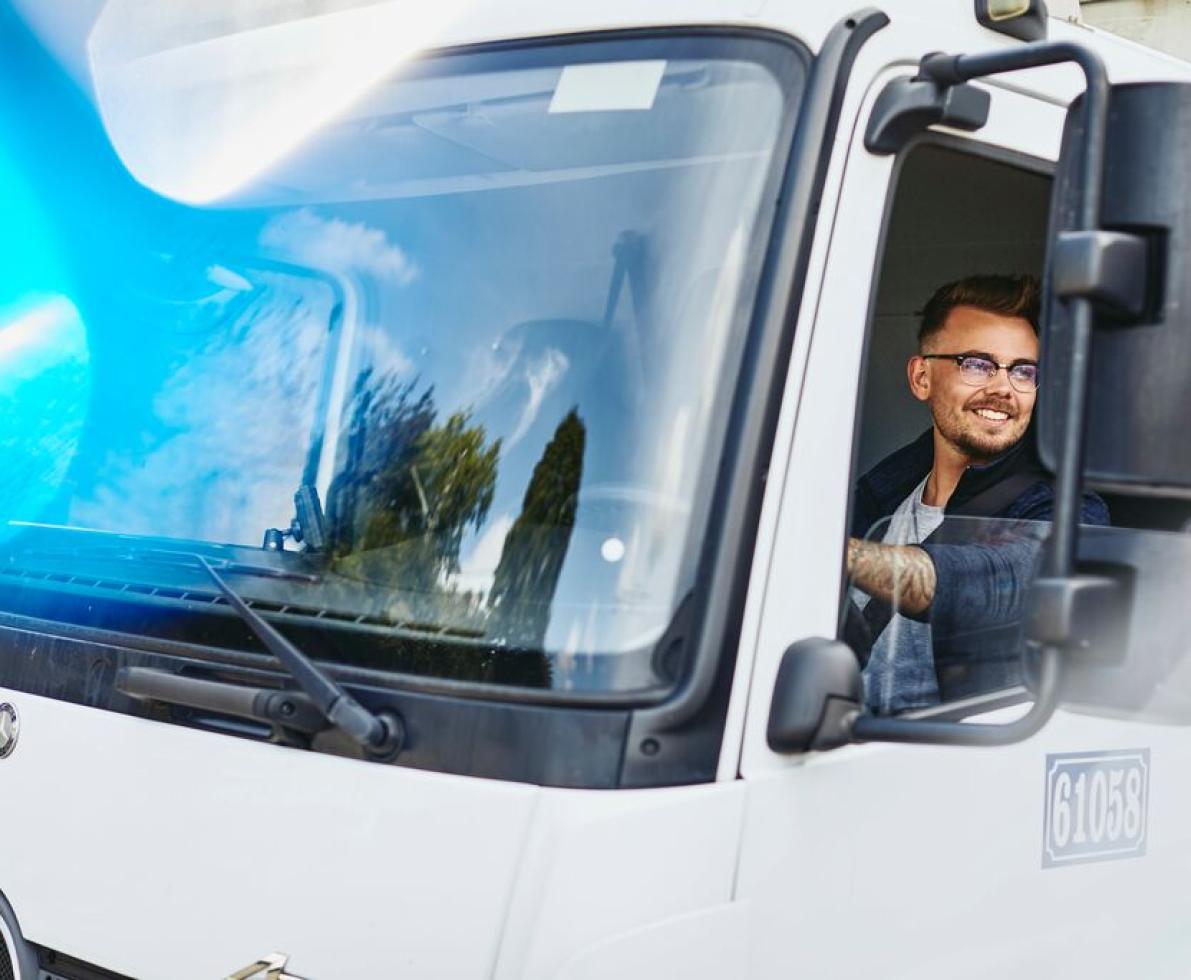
<point x="381" y="735"/>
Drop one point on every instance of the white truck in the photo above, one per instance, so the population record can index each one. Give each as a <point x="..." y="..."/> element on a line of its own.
<point x="428" y="437"/>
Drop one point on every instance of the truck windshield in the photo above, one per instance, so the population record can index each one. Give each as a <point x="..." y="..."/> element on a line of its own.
<point x="492" y="315"/>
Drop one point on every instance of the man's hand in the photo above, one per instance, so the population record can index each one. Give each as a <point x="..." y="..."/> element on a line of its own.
<point x="902" y="575"/>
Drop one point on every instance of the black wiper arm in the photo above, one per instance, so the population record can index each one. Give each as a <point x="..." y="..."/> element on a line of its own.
<point x="381" y="735"/>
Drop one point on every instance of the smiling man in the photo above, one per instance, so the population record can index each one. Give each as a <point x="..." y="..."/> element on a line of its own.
<point x="918" y="587"/>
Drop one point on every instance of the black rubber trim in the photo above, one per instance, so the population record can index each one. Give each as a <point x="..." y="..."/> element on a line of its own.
<point x="344" y="673"/>
<point x="679" y="741"/>
<point x="575" y="747"/>
<point x="56" y="964"/>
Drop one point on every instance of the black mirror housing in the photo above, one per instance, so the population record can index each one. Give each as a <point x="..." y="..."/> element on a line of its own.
<point x="816" y="698"/>
<point x="1138" y="397"/>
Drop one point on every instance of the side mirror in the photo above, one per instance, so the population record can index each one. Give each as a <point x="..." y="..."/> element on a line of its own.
<point x="816" y="698"/>
<point x="1136" y="363"/>
<point x="1140" y="395"/>
<point x="818" y="703"/>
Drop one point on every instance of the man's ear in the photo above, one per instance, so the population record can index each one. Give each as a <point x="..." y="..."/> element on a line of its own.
<point x="918" y="374"/>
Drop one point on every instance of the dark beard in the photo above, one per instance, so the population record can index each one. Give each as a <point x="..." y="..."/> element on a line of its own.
<point x="971" y="443"/>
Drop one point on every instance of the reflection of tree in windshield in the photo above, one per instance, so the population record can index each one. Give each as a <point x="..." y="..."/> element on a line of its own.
<point x="410" y="488"/>
<point x="531" y="561"/>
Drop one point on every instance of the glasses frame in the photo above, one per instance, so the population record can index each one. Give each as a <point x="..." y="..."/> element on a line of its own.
<point x="1007" y="368"/>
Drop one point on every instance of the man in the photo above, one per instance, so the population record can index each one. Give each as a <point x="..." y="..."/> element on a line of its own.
<point x="935" y="605"/>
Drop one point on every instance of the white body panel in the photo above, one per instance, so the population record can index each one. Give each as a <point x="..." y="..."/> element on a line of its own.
<point x="160" y="851"/>
<point x="169" y="847"/>
<point x="926" y="863"/>
<point x="190" y="852"/>
<point x="910" y="861"/>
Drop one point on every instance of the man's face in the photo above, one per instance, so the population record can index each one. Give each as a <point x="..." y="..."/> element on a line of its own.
<point x="982" y="422"/>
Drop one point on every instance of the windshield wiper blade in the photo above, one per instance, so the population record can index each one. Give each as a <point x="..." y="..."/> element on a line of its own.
<point x="167" y="555"/>
<point x="380" y="735"/>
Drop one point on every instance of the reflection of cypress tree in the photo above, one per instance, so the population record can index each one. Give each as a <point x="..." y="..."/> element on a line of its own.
<point x="536" y="545"/>
<point x="410" y="487"/>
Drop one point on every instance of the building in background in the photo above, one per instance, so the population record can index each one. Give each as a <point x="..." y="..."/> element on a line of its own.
<point x="1161" y="24"/>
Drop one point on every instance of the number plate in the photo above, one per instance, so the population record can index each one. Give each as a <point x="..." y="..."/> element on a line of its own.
<point x="1096" y="806"/>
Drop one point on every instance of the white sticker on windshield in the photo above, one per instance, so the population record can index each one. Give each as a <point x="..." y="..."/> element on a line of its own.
<point x="612" y="87"/>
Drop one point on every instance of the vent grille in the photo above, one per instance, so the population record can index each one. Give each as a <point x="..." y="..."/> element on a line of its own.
<point x="212" y="598"/>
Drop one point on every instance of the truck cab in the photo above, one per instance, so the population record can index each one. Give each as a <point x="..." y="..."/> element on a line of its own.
<point x="430" y="439"/>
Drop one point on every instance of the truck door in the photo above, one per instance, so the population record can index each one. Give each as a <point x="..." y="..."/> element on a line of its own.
<point x="910" y="861"/>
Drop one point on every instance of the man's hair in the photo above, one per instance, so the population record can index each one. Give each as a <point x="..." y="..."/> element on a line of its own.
<point x="1016" y="296"/>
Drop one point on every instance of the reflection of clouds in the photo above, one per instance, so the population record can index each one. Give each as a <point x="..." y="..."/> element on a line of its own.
<point x="494" y="370"/>
<point x="383" y="351"/>
<point x="45" y="385"/>
<point x="229" y="280"/>
<point x="477" y="567"/>
<point x="541" y="377"/>
<point x="41" y="334"/>
<point x="489" y="366"/>
<point x="339" y="246"/>
<point x="239" y="411"/>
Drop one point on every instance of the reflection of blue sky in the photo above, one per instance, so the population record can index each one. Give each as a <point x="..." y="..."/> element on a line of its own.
<point x="44" y="389"/>
<point x="44" y="361"/>
<point x="337" y="246"/>
<point x="234" y="416"/>
<point x="29" y="256"/>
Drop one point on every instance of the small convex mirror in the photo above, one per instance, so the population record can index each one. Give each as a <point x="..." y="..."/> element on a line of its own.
<point x="1022" y="19"/>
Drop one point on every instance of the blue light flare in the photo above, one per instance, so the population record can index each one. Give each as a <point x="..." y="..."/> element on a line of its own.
<point x="45" y="377"/>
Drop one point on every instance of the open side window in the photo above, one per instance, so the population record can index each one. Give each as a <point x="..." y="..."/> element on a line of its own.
<point x="956" y="210"/>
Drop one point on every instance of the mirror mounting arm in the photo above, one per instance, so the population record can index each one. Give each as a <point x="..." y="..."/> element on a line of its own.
<point x="923" y="731"/>
<point x="907" y="106"/>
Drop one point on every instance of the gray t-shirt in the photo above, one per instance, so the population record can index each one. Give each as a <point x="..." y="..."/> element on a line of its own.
<point x="900" y="672"/>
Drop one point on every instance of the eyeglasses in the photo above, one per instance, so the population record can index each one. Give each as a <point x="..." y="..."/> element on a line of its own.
<point x="978" y="370"/>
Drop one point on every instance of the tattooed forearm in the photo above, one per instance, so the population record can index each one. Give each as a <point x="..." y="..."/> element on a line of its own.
<point x="902" y="575"/>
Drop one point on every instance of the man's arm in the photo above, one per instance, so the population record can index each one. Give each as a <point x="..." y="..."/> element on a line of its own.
<point x="901" y="575"/>
<point x="984" y="583"/>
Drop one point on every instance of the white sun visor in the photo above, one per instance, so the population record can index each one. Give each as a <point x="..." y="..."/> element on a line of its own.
<point x="200" y="98"/>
